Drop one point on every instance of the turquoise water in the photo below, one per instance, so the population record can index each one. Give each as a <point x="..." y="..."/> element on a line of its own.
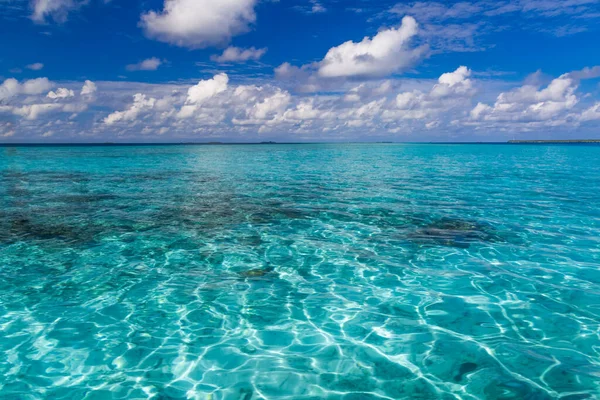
<point x="300" y="272"/>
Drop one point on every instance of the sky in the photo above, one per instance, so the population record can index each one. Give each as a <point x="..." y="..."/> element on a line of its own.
<point x="298" y="70"/>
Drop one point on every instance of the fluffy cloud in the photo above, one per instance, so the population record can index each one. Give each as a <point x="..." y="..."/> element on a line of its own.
<point x="33" y="111"/>
<point x="27" y="100"/>
<point x="390" y="51"/>
<point x="199" y="23"/>
<point x="268" y="108"/>
<point x="387" y="52"/>
<point x="455" y="83"/>
<point x="150" y="64"/>
<point x="88" y="88"/>
<point x="236" y="54"/>
<point x="36" y="86"/>
<point x="35" y="66"/>
<point x="11" y="87"/>
<point x="141" y="103"/>
<point x="453" y="90"/>
<point x="61" y="93"/>
<point x="529" y="103"/>
<point x="201" y="92"/>
<point x="216" y="108"/>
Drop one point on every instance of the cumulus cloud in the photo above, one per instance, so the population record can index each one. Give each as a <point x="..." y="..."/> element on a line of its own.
<point x="530" y="103"/>
<point x="11" y="87"/>
<point x="36" y="86"/>
<point x="88" y="88"/>
<point x="61" y="93"/>
<point x="199" y="23"/>
<point x="452" y="90"/>
<point x="141" y="103"/>
<point x="268" y="108"/>
<point x="455" y="83"/>
<point x="387" y="52"/>
<point x="30" y="100"/>
<point x="149" y="64"/>
<point x="390" y="51"/>
<point x="236" y="55"/>
<point x="33" y="111"/>
<point x="218" y="108"/>
<point x="200" y="93"/>
<point x="35" y="66"/>
<point x="223" y="107"/>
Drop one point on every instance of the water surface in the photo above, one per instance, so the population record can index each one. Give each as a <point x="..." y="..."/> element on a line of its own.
<point x="300" y="272"/>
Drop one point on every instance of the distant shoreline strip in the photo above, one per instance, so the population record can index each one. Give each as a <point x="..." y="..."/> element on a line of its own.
<point x="553" y="141"/>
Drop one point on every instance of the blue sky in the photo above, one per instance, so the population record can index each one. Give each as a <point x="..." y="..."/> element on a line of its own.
<point x="251" y="70"/>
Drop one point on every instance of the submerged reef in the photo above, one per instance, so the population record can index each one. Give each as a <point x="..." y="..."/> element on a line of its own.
<point x="453" y="232"/>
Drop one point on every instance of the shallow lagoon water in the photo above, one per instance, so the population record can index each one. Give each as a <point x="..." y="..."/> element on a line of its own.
<point x="300" y="272"/>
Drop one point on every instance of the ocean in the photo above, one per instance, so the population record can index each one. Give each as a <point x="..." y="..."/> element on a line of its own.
<point x="312" y="271"/>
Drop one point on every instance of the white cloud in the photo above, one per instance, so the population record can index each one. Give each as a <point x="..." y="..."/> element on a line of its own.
<point x="236" y="54"/>
<point x="591" y="114"/>
<point x="453" y="83"/>
<point x="61" y="93"/>
<point x="150" y="64"/>
<point x="530" y="103"/>
<point x="586" y="73"/>
<point x="199" y="23"/>
<point x="201" y="92"/>
<point x="387" y="52"/>
<point x="36" y="86"/>
<point x="11" y="87"/>
<point x="57" y="9"/>
<point x="453" y="90"/>
<point x="35" y="66"/>
<point x="215" y="108"/>
<point x="7" y="129"/>
<point x="34" y="111"/>
<point x="141" y="103"/>
<point x="88" y="88"/>
<point x="266" y="109"/>
<point x="31" y="100"/>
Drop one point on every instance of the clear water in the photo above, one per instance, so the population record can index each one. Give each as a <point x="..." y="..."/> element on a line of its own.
<point x="300" y="272"/>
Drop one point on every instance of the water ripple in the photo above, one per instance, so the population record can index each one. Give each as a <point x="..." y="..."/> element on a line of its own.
<point x="300" y="272"/>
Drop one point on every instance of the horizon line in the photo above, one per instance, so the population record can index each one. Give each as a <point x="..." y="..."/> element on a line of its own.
<point x="266" y="143"/>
